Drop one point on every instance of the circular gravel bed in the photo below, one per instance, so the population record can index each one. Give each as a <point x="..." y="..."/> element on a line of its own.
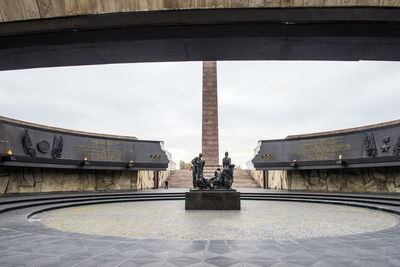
<point x="256" y="220"/>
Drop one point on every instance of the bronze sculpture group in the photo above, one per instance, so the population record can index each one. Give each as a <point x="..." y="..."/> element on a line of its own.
<point x="221" y="179"/>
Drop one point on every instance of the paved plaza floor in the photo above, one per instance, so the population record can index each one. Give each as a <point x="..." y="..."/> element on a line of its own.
<point x="256" y="220"/>
<point x="328" y="235"/>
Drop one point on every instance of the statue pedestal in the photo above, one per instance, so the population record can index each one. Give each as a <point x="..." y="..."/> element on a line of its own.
<point x="219" y="199"/>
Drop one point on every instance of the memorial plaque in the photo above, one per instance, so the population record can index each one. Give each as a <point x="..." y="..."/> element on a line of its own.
<point x="44" y="147"/>
<point x="372" y="147"/>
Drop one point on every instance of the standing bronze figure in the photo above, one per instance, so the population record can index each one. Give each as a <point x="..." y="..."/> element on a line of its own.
<point x="197" y="170"/>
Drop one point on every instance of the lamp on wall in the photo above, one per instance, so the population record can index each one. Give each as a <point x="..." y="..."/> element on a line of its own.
<point x="9" y="156"/>
<point x="130" y="164"/>
<point x="85" y="162"/>
<point x="340" y="160"/>
<point x="293" y="163"/>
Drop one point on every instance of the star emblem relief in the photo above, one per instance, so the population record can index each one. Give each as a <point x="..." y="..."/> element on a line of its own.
<point x="385" y="148"/>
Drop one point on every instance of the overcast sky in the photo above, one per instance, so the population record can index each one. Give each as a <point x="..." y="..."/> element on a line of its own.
<point x="162" y="101"/>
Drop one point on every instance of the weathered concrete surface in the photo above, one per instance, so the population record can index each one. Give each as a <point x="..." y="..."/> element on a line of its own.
<point x="30" y="180"/>
<point x="14" y="10"/>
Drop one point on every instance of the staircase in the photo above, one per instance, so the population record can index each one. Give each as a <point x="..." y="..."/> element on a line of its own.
<point x="180" y="179"/>
<point x="243" y="179"/>
<point x="183" y="179"/>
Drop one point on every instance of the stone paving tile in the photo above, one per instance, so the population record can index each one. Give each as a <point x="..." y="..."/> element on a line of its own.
<point x="120" y="253"/>
<point x="286" y="264"/>
<point x="389" y="251"/>
<point x="53" y="261"/>
<point x="260" y="261"/>
<point x="197" y="255"/>
<point x="132" y="263"/>
<point x="47" y="250"/>
<point x="219" y="249"/>
<point x="270" y="246"/>
<point x="222" y="261"/>
<point x="99" y="261"/>
<point x="300" y="257"/>
<point x="183" y="260"/>
<point x="395" y="260"/>
<point x="192" y="248"/>
<point x="145" y="260"/>
<point x="246" y="248"/>
<point x="371" y="262"/>
<point x="335" y="263"/>
<point x="370" y="244"/>
<point x="237" y="255"/>
<point x="11" y="258"/>
<point x="217" y="242"/>
<point x="273" y="253"/>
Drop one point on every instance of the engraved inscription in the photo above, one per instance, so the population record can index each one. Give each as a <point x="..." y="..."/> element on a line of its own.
<point x="104" y="150"/>
<point x="156" y="157"/>
<point x="320" y="149"/>
<point x="267" y="157"/>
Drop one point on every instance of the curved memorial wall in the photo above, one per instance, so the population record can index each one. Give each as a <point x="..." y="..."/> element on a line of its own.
<point x="37" y="158"/>
<point x="364" y="159"/>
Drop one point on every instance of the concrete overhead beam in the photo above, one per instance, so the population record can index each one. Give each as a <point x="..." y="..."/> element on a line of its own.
<point x="16" y="10"/>
<point x="351" y="33"/>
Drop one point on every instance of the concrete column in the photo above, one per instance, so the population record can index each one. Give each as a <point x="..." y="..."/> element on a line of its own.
<point x="210" y="146"/>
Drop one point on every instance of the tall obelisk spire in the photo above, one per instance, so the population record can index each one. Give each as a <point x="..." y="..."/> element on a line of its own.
<point x="209" y="142"/>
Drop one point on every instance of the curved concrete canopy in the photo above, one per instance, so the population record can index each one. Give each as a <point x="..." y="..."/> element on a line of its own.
<point x="48" y="33"/>
<point x="14" y="10"/>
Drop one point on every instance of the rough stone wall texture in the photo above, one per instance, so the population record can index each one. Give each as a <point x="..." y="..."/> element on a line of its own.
<point x="31" y="180"/>
<point x="145" y="180"/>
<point x="162" y="177"/>
<point x="12" y="10"/>
<point x="385" y="179"/>
<point x="258" y="176"/>
<point x="276" y="179"/>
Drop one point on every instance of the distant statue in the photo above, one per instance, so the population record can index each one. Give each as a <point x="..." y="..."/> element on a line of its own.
<point x="221" y="180"/>
<point x="227" y="173"/>
<point x="216" y="180"/>
<point x="226" y="161"/>
<point x="197" y="170"/>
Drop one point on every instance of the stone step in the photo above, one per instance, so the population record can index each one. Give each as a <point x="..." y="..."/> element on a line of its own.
<point x="180" y="179"/>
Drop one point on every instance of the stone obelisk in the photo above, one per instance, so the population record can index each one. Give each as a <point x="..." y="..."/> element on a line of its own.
<point x="209" y="140"/>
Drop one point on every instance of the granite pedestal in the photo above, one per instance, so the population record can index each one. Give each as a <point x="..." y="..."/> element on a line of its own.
<point x="212" y="200"/>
